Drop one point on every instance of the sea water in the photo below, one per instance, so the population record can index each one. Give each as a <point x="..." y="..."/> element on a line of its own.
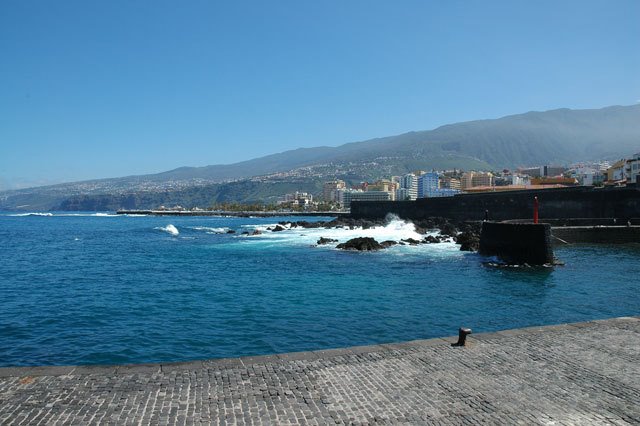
<point x="100" y="288"/>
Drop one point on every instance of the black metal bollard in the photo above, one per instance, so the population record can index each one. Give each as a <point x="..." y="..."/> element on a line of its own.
<point x="462" y="336"/>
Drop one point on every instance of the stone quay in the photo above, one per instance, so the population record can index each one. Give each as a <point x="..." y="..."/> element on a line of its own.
<point x="581" y="373"/>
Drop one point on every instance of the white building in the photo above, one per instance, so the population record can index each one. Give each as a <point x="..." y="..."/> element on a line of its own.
<point x="408" y="187"/>
<point x="632" y="169"/>
<point x="588" y="176"/>
<point x="297" y="199"/>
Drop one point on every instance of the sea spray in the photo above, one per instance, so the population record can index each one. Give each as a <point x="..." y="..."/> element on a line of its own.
<point x="210" y="230"/>
<point x="169" y="229"/>
<point x="395" y="229"/>
<point x="32" y="214"/>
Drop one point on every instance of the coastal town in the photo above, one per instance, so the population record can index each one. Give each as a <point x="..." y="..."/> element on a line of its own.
<point x="337" y="194"/>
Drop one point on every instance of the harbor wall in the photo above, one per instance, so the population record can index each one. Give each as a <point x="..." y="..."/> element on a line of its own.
<point x="595" y="234"/>
<point x="517" y="243"/>
<point x="558" y="203"/>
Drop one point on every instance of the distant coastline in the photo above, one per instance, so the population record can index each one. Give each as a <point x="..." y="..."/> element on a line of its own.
<point x="228" y="213"/>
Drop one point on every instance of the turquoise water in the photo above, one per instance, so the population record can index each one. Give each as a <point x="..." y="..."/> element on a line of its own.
<point x="87" y="289"/>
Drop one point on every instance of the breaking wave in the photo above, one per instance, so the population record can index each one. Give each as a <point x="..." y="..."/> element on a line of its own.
<point x="210" y="230"/>
<point x="169" y="229"/>
<point x="48" y="214"/>
<point x="395" y="230"/>
<point x="88" y="214"/>
<point x="31" y="214"/>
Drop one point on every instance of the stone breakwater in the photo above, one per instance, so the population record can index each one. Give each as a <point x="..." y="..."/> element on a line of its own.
<point x="582" y="373"/>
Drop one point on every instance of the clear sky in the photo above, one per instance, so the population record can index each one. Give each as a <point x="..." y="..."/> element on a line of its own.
<point x="92" y="89"/>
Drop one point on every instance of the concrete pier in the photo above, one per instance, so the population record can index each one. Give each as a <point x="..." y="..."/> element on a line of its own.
<point x="584" y="373"/>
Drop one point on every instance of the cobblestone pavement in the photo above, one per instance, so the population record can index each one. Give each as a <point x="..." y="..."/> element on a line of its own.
<point x="585" y="373"/>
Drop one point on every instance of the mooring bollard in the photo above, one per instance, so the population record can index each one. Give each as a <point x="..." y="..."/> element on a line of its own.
<point x="462" y="336"/>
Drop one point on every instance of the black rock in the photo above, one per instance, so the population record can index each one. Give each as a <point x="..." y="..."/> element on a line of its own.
<point x="361" y="244"/>
<point x="448" y="229"/>
<point x="278" y="228"/>
<point x="430" y="239"/>
<point x="388" y="243"/>
<point x="324" y="240"/>
<point x="468" y="240"/>
<point x="411" y="241"/>
<point x="305" y="224"/>
<point x="231" y="231"/>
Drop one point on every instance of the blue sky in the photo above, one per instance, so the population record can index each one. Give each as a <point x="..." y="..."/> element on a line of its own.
<point x="92" y="89"/>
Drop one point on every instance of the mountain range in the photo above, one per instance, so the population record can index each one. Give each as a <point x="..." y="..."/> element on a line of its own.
<point x="561" y="136"/>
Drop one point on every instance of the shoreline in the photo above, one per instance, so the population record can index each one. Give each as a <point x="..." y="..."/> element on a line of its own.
<point x="230" y="213"/>
<point x="244" y="361"/>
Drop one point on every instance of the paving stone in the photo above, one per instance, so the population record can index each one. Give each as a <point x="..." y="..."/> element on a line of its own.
<point x="298" y="356"/>
<point x="95" y="369"/>
<point x="260" y="359"/>
<point x="587" y="373"/>
<point x="138" y="368"/>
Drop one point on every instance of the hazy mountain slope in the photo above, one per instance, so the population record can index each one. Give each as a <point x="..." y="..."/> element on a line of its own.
<point x="534" y="138"/>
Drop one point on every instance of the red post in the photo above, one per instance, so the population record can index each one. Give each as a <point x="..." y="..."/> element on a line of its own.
<point x="535" y="209"/>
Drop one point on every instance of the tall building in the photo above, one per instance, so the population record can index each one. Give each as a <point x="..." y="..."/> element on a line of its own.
<point x="467" y="180"/>
<point x="347" y="196"/>
<point x="408" y="187"/>
<point x="448" y="182"/>
<point x="384" y="185"/>
<point x="329" y="189"/>
<point x="428" y="184"/>
<point x="482" y="179"/>
<point x="553" y="170"/>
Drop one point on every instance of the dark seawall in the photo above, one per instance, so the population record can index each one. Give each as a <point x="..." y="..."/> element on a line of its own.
<point x="517" y="243"/>
<point x="578" y="202"/>
<point x="595" y="234"/>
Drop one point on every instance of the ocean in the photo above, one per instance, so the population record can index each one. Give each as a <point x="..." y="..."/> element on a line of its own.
<point x="100" y="288"/>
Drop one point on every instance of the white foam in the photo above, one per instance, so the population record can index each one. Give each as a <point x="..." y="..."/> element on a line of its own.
<point x="99" y="214"/>
<point x="210" y="230"/>
<point x="395" y="230"/>
<point x="88" y="214"/>
<point x="31" y="214"/>
<point x="170" y="229"/>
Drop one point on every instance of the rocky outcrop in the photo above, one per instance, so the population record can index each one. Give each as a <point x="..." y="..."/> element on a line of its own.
<point x="448" y="230"/>
<point x="361" y="244"/>
<point x="278" y="228"/>
<point x="468" y="240"/>
<point x="324" y="240"/>
<point x="411" y="241"/>
<point x="430" y="239"/>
